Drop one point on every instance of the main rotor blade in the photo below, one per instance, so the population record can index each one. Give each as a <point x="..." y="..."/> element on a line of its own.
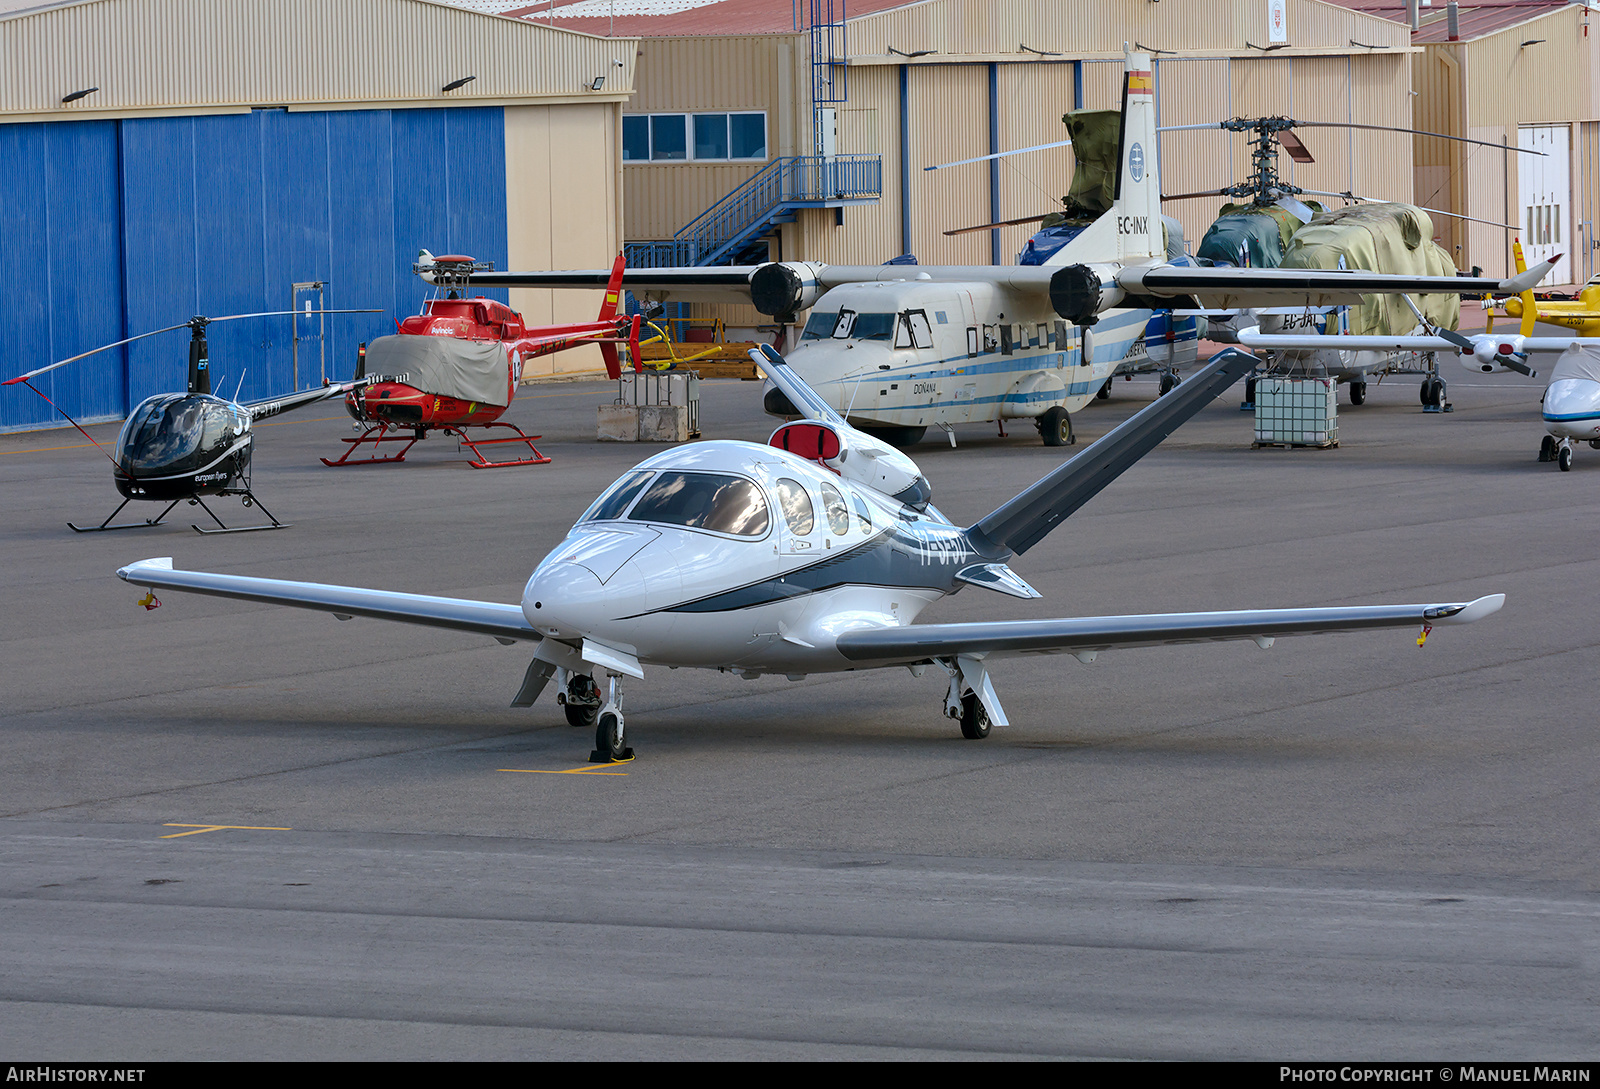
<point x="185" y="325"/>
<point x="1192" y="196"/>
<point x="1001" y="223"/>
<point x="1000" y="154"/>
<point x="91" y="351"/>
<point x="1297" y="150"/>
<point x="1413" y="132"/>
<point x="1424" y="207"/>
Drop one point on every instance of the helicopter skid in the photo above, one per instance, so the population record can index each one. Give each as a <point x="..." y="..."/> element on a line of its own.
<point x="483" y="462"/>
<point x="382" y="435"/>
<point x="105" y="526"/>
<point x="249" y="500"/>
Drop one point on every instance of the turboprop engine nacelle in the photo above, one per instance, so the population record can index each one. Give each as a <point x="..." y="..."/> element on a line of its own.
<point x="1492" y="355"/>
<point x="784" y="288"/>
<point x="857" y="457"/>
<point x="1081" y="293"/>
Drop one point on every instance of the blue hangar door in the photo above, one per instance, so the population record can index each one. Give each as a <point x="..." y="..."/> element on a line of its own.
<point x="116" y="228"/>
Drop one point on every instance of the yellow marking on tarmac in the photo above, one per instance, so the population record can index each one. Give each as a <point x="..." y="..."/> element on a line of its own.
<point x="198" y="828"/>
<point x="586" y="769"/>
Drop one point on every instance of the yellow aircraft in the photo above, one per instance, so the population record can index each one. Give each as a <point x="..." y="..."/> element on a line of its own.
<point x="1581" y="314"/>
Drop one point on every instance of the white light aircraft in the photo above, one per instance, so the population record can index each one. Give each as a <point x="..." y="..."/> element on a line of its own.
<point x="898" y="349"/>
<point x="1571" y="403"/>
<point x="811" y="554"/>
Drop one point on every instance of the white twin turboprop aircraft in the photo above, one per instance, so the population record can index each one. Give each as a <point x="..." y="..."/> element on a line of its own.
<point x="811" y="554"/>
<point x="900" y="348"/>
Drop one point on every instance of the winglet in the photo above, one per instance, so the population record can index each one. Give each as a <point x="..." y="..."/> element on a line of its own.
<point x="1527" y="281"/>
<point x="1473" y="610"/>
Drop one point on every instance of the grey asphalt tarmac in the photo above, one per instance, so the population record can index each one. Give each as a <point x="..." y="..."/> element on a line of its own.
<point x="1343" y="847"/>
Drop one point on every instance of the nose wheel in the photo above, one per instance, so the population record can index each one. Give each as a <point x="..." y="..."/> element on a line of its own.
<point x="609" y="744"/>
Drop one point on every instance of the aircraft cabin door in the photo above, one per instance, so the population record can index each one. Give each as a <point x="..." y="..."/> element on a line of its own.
<point x="1545" y="185"/>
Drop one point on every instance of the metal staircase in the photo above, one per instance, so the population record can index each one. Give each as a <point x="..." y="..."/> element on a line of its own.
<point x="753" y="211"/>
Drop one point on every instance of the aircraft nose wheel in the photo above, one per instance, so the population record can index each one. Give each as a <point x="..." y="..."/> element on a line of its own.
<point x="1564" y="457"/>
<point x="608" y="738"/>
<point x="974" y="719"/>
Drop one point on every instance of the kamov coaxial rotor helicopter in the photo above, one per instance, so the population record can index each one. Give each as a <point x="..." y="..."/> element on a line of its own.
<point x="1269" y="226"/>
<point x="177" y="446"/>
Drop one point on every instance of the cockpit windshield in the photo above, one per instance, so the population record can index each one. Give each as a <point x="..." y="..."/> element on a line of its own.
<point x="819" y="326"/>
<point x="179" y="433"/>
<point x="722" y="504"/>
<point x="849" y="325"/>
<point x="614" y="501"/>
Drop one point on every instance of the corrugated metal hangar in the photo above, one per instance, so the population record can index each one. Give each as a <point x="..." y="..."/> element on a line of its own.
<point x="225" y="152"/>
<point x="887" y="88"/>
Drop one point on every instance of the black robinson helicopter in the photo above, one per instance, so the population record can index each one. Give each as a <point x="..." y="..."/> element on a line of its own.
<point x="177" y="446"/>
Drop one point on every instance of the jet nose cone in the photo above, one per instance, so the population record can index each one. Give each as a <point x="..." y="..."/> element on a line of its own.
<point x="568" y="601"/>
<point x="560" y="597"/>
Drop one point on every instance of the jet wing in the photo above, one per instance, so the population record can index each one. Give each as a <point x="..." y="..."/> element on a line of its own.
<point x="505" y="622"/>
<point x="1092" y="634"/>
<point x="1253" y="337"/>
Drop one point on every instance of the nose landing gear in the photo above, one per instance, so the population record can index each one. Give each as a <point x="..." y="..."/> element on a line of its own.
<point x="608" y="733"/>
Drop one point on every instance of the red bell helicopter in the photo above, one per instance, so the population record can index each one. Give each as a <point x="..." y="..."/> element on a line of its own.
<point x="456" y="365"/>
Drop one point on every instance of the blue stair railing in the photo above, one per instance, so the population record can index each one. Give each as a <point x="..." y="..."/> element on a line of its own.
<point x="747" y="213"/>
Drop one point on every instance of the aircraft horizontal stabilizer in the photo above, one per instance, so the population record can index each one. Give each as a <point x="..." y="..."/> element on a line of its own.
<point x="483" y="617"/>
<point x="1082" y="635"/>
<point x="1018" y="525"/>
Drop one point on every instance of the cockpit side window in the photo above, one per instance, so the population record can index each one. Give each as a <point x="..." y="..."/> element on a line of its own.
<point x="796" y="503"/>
<point x="819" y="326"/>
<point x="862" y="514"/>
<point x="615" y="500"/>
<point x="722" y="504"/>
<point x="874" y="326"/>
<point x="838" y="513"/>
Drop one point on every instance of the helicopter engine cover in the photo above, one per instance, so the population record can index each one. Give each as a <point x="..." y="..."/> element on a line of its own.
<point x="468" y="370"/>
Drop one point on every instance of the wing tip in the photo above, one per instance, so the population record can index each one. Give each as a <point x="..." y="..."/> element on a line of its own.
<point x="132" y="572"/>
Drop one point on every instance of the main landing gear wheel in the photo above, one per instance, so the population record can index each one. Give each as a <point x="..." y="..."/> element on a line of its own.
<point x="974" y="719"/>
<point x="1358" y="393"/>
<point x="1169" y="382"/>
<point x="1432" y="393"/>
<point x="1105" y="391"/>
<point x="1564" y="458"/>
<point x="608" y="746"/>
<point x="1055" y="427"/>
<point x="1547" y="448"/>
<point x="583" y="702"/>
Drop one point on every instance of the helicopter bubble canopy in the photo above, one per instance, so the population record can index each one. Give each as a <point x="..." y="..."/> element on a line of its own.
<point x="180" y="434"/>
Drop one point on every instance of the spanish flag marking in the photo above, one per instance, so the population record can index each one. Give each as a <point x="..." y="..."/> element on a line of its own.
<point x="1140" y="83"/>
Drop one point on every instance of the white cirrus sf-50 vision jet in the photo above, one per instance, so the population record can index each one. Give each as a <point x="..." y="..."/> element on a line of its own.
<point x="811" y="554"/>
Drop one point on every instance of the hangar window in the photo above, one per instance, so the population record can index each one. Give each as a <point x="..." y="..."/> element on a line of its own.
<point x="694" y="137"/>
